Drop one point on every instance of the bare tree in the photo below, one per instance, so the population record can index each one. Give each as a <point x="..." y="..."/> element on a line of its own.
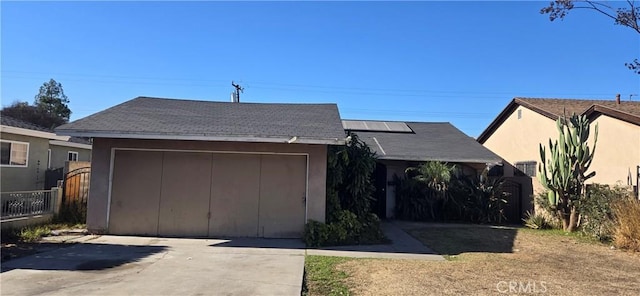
<point x="627" y="15"/>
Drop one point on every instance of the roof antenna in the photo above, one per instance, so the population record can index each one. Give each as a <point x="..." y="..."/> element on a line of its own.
<point x="235" y="96"/>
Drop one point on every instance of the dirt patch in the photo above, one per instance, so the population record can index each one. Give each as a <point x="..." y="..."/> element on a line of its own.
<point x="535" y="264"/>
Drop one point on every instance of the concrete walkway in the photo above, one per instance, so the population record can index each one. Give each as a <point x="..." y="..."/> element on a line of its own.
<point x="402" y="246"/>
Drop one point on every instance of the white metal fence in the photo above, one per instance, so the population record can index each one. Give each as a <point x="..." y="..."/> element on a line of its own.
<point x="27" y="203"/>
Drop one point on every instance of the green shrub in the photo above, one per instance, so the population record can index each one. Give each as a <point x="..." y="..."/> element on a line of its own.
<point x="481" y="199"/>
<point x="626" y="229"/>
<point x="596" y="210"/>
<point x="316" y="233"/>
<point x="457" y="198"/>
<point x="412" y="200"/>
<point x="347" y="230"/>
<point x="31" y="234"/>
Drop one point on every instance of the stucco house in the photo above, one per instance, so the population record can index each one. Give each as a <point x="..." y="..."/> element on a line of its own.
<point x="74" y="149"/>
<point x="399" y="145"/>
<point x="173" y="167"/>
<point x="515" y="135"/>
<point x="29" y="150"/>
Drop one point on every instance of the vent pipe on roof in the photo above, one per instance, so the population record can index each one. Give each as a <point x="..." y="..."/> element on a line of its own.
<point x="618" y="99"/>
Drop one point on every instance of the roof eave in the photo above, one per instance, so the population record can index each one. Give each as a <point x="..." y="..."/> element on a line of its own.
<point x="31" y="133"/>
<point x="69" y="144"/>
<point x="203" y="137"/>
<point x="506" y="112"/>
<point x="445" y="159"/>
<point x="621" y="115"/>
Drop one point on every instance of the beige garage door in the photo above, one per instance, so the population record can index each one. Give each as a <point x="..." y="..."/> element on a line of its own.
<point x="208" y="194"/>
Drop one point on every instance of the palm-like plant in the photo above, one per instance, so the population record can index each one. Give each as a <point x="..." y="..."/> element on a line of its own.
<point x="436" y="176"/>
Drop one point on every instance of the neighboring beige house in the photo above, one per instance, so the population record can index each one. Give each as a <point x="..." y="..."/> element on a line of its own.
<point x="29" y="150"/>
<point x="208" y="169"/>
<point x="517" y="132"/>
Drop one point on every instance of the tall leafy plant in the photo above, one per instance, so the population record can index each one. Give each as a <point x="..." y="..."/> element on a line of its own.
<point x="564" y="171"/>
<point x="435" y="176"/>
<point x="349" y="195"/>
<point x="349" y="184"/>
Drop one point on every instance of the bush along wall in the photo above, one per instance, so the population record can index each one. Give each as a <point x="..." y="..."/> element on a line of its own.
<point x="349" y="195"/>
<point x="436" y="191"/>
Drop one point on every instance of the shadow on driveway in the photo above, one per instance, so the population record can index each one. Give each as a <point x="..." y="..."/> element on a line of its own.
<point x="269" y="243"/>
<point x="84" y="257"/>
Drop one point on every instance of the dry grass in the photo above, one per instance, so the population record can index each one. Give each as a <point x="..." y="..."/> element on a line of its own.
<point x="484" y="260"/>
<point x="627" y="224"/>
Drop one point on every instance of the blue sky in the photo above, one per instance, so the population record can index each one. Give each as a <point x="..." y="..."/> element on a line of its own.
<point x="460" y="62"/>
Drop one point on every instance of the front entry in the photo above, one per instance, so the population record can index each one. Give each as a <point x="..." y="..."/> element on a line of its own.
<point x="379" y="205"/>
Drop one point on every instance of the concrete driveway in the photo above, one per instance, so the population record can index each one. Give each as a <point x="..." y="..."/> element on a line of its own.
<point x="119" y="265"/>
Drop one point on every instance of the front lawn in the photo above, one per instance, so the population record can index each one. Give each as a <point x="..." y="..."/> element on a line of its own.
<point x="323" y="278"/>
<point x="490" y="261"/>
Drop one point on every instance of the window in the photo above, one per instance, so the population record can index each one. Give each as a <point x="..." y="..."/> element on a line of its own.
<point x="48" y="158"/>
<point x="526" y="168"/>
<point x="14" y="153"/>
<point x="519" y="113"/>
<point x="72" y="156"/>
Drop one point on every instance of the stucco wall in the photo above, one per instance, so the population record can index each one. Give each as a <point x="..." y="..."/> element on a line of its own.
<point x="101" y="159"/>
<point x="617" y="153"/>
<point x="518" y="140"/>
<point x="30" y="177"/>
<point x="59" y="155"/>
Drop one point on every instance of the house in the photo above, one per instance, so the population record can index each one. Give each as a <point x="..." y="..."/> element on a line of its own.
<point x="173" y="167"/>
<point x="400" y="145"/>
<point x="29" y="150"/>
<point x="516" y="133"/>
<point x="74" y="149"/>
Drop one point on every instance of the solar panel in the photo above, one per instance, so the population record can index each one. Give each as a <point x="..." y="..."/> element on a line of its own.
<point x="378" y="126"/>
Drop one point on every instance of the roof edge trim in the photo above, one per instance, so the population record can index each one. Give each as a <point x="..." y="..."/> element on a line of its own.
<point x="297" y="140"/>
<point x="31" y="133"/>
<point x="69" y="144"/>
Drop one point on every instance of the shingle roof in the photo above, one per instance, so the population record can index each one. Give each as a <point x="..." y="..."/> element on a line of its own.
<point x="557" y="107"/>
<point x="430" y="141"/>
<point x="554" y="108"/>
<point x="159" y="118"/>
<point x="10" y="121"/>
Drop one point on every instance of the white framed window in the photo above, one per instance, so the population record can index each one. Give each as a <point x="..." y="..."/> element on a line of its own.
<point x="72" y="156"/>
<point x="14" y="153"/>
<point x="48" y="158"/>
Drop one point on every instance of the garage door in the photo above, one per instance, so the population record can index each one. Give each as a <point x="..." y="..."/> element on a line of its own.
<point x="208" y="194"/>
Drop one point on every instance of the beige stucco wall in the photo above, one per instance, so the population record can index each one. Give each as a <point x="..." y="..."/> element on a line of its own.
<point x="617" y="153"/>
<point x="60" y="154"/>
<point x="518" y="140"/>
<point x="30" y="177"/>
<point x="101" y="160"/>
